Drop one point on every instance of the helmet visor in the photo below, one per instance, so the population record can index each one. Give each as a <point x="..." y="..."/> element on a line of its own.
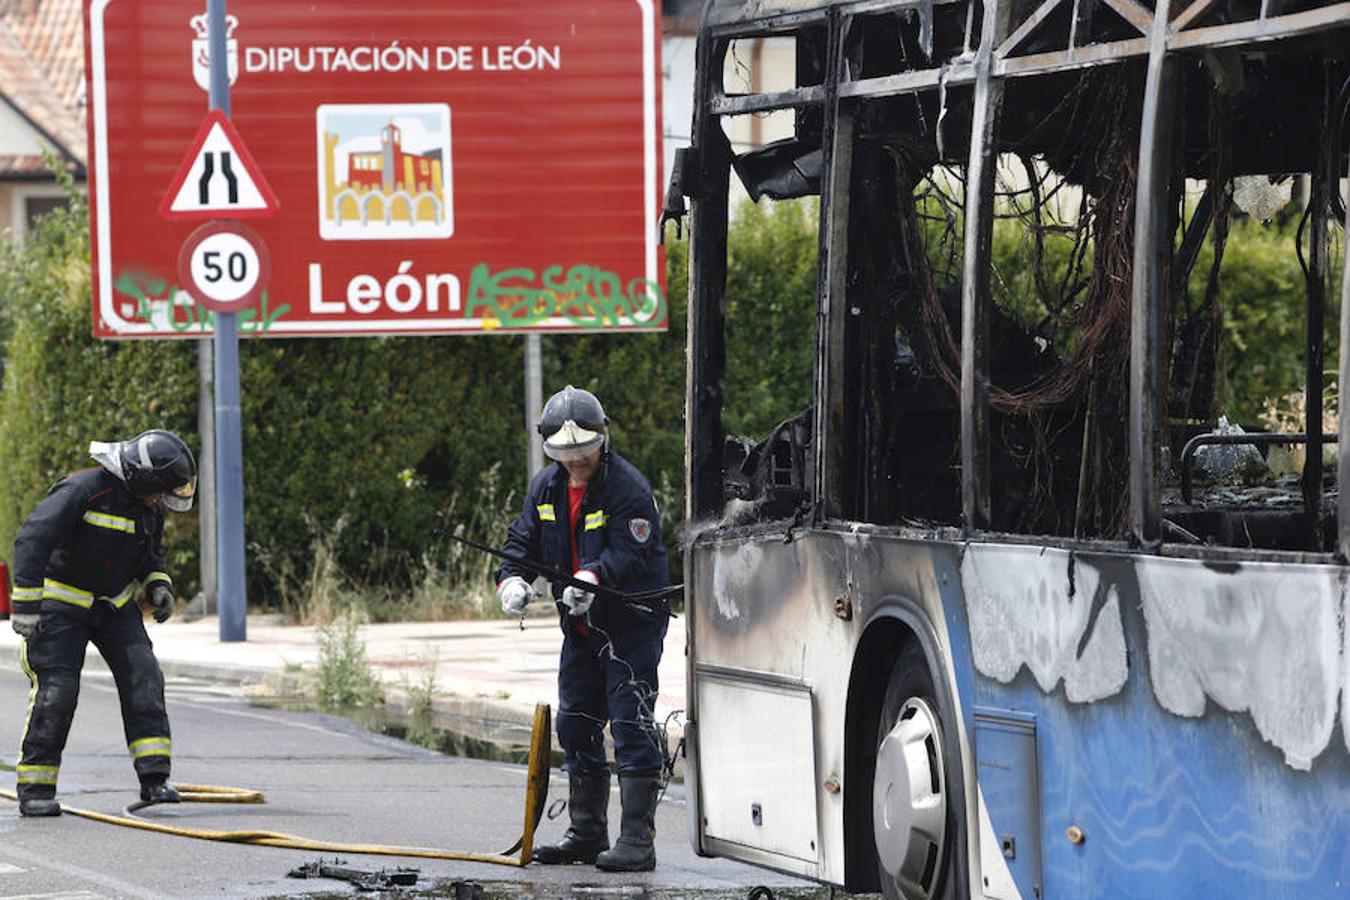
<point x="180" y="498"/>
<point x="572" y="442"/>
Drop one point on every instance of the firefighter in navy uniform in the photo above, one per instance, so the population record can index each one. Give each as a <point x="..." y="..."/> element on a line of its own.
<point x="78" y="559"/>
<point x="593" y="514"/>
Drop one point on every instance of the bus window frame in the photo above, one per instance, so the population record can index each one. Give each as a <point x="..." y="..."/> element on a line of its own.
<point x="1163" y="41"/>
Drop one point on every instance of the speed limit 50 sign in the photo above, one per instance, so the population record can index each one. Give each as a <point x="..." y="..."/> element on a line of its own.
<point x="227" y="266"/>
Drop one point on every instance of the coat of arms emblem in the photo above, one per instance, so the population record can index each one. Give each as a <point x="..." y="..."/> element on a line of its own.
<point x="201" y="50"/>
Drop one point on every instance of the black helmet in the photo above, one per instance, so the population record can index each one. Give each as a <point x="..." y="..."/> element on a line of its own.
<point x="573" y="424"/>
<point x="159" y="461"/>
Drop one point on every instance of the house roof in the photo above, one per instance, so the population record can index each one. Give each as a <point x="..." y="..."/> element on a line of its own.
<point x="42" y="77"/>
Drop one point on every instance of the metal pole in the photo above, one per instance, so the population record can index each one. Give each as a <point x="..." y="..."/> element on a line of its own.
<point x="206" y="482"/>
<point x="976" y="507"/>
<point x="1343" y="379"/>
<point x="229" y="440"/>
<point x="1152" y="246"/>
<point x="830" y="470"/>
<point x="1316" y="327"/>
<point x="534" y="400"/>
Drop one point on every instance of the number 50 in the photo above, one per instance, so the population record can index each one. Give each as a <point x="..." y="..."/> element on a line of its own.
<point x="236" y="266"/>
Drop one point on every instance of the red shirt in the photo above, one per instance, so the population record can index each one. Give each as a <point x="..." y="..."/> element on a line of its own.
<point x="575" y="493"/>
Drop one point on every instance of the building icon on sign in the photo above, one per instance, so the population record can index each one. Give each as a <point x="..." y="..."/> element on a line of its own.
<point x="392" y="169"/>
<point x="384" y="171"/>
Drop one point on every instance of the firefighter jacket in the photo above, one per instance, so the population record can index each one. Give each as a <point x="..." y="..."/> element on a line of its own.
<point x="89" y="539"/>
<point x="618" y="532"/>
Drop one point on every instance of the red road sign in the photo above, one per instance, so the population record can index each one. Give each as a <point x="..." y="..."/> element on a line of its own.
<point x="441" y="167"/>
<point x="226" y="265"/>
<point x="218" y="177"/>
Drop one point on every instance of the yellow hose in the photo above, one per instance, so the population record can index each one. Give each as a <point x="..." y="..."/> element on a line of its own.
<point x="536" y="793"/>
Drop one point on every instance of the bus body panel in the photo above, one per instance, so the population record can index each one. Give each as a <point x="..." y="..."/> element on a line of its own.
<point x="1185" y="717"/>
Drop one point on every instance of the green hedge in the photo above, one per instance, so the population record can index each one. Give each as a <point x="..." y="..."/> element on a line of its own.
<point x="62" y="389"/>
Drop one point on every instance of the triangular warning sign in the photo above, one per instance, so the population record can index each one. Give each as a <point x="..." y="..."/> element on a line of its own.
<point x="218" y="178"/>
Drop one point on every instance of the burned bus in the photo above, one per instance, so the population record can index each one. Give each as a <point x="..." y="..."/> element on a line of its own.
<point x="986" y="615"/>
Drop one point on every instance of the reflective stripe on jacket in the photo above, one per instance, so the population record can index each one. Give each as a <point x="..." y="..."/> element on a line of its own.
<point x="89" y="539"/>
<point x="618" y="531"/>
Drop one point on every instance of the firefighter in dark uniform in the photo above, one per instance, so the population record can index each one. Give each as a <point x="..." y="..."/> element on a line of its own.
<point x="593" y="514"/>
<point x="78" y="559"/>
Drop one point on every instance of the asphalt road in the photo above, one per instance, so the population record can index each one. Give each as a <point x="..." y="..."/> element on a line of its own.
<point x="324" y="778"/>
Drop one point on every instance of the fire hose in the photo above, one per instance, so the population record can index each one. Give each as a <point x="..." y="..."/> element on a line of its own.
<point x="518" y="854"/>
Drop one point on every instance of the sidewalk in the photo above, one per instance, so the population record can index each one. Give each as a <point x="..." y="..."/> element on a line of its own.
<point x="488" y="675"/>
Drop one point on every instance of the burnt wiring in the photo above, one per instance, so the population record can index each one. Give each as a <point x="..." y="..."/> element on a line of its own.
<point x="1076" y="301"/>
<point x="657" y="734"/>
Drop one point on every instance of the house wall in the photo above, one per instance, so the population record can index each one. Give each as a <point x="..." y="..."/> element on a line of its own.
<point x="19" y="138"/>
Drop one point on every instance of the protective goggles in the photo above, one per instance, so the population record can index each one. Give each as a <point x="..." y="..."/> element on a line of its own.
<point x="180" y="498"/>
<point x="571" y="442"/>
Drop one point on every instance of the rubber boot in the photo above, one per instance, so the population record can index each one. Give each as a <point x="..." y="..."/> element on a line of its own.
<point x="634" y="851"/>
<point x="159" y="792"/>
<point x="588" y="835"/>
<point x="39" y="806"/>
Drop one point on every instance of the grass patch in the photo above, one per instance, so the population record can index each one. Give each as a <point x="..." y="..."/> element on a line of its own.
<point x="346" y="680"/>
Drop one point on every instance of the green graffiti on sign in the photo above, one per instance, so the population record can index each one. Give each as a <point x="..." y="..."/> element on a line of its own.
<point x="586" y="296"/>
<point x="148" y="290"/>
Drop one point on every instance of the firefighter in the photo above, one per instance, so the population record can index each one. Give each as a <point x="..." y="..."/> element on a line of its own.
<point x="78" y="559"/>
<point x="593" y="514"/>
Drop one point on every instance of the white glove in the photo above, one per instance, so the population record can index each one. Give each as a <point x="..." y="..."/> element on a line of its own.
<point x="578" y="601"/>
<point x="25" y="624"/>
<point x="514" y="592"/>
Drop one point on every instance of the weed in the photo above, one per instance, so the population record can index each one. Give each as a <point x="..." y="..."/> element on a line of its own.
<point x="325" y="592"/>
<point x="421" y="731"/>
<point x="346" y="679"/>
<point x="455" y="581"/>
<point x="1289" y="413"/>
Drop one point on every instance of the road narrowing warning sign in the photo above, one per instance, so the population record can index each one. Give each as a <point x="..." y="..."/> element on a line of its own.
<point x="218" y="178"/>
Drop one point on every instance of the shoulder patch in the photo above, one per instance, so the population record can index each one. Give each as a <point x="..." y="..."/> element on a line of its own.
<point x="640" y="529"/>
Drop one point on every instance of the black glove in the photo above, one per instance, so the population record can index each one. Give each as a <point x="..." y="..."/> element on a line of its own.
<point x="161" y="601"/>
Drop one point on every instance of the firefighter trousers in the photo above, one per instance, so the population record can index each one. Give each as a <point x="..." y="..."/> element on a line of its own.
<point x="53" y="658"/>
<point x="609" y="677"/>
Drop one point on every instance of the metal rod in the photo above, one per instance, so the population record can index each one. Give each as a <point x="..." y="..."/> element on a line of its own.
<point x="1091" y="55"/>
<point x="229" y="440"/>
<point x="1152" y="248"/>
<point x="534" y="400"/>
<point x="706" y="361"/>
<point x="832" y="286"/>
<point x="1315" y="285"/>
<point x="1029" y="24"/>
<point x="206" y="481"/>
<point x="1134" y="13"/>
<point x="976" y="511"/>
<point x="1343" y="379"/>
<point x="1256" y="438"/>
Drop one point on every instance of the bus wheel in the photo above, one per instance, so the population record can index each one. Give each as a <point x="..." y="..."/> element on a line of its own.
<point x="910" y="805"/>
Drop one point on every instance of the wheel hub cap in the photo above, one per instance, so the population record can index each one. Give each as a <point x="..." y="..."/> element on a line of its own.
<point x="909" y="799"/>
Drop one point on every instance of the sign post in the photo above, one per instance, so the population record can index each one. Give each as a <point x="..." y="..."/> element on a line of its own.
<point x="233" y="586"/>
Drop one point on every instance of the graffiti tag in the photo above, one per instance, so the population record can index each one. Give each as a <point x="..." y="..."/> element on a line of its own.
<point x="585" y="296"/>
<point x="147" y="290"/>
